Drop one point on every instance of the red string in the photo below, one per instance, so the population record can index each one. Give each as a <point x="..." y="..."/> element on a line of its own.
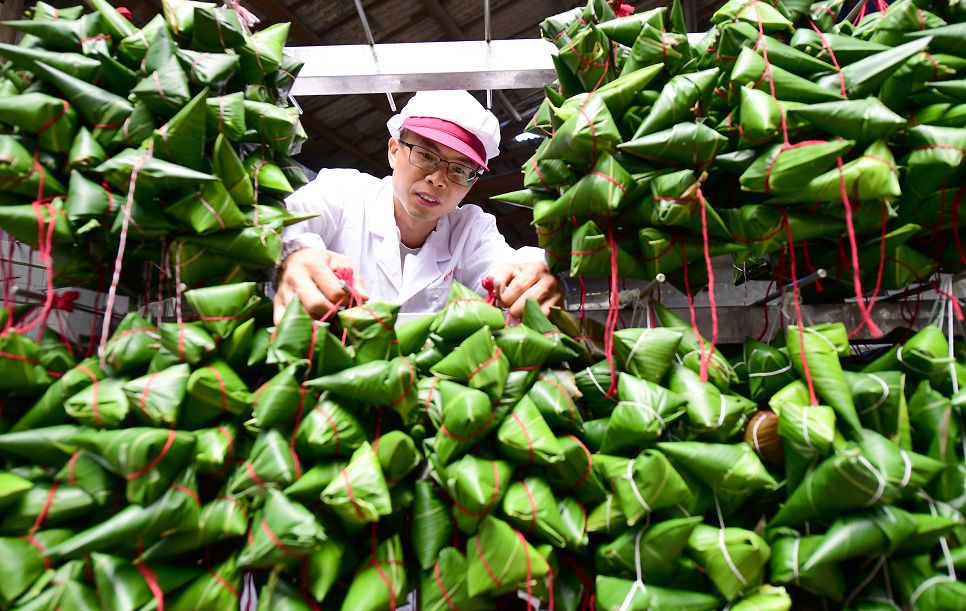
<point x="44" y="243"/>
<point x="493" y="499"/>
<point x="590" y="463"/>
<point x="493" y="359"/>
<point x="42" y="516"/>
<point x="382" y="574"/>
<point x="565" y="395"/>
<point x="442" y="588"/>
<point x="486" y="565"/>
<point x="276" y="542"/>
<point x="706" y="358"/>
<point x="156" y="460"/>
<point x="142" y="403"/>
<point x="533" y="507"/>
<point x="856" y="271"/>
<point x="831" y="54"/>
<point x="583" y="298"/>
<point x="798" y="313"/>
<point x="412" y="382"/>
<point x="151" y="578"/>
<point x="352" y="498"/>
<point x="489" y="285"/>
<point x="526" y="434"/>
<point x="952" y="299"/>
<point x="882" y="262"/>
<point x="221" y="384"/>
<point x="472" y="435"/>
<point x="613" y="310"/>
<point x="122" y="243"/>
<point x="230" y="450"/>
<point x="332" y="425"/>
<point x="71" y="464"/>
<point x="526" y="553"/>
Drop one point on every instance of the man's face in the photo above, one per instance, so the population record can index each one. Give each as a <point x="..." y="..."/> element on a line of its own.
<point x="424" y="197"/>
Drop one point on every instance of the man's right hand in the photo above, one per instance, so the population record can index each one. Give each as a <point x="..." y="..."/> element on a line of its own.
<point x="309" y="274"/>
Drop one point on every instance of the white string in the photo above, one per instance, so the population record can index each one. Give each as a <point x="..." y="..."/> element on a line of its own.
<point x="947" y="556"/>
<point x="830" y="343"/>
<point x="882" y="399"/>
<point x="754" y="434"/>
<point x="724" y="548"/>
<point x="766" y="374"/>
<point x="639" y="582"/>
<point x="593" y="378"/>
<point x="878" y="476"/>
<point x="721" y="410"/>
<point x="907" y="469"/>
<point x="649" y="409"/>
<point x="627" y="363"/>
<point x="805" y="433"/>
<point x="925" y="586"/>
<point x="634" y="488"/>
<point x="948" y="286"/>
<point x="907" y="365"/>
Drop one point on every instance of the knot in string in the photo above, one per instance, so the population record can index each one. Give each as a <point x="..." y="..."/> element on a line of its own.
<point x="489" y="285"/>
<point x="347" y="276"/>
<point x="245" y="16"/>
<point x="65" y="301"/>
<point x="621" y="9"/>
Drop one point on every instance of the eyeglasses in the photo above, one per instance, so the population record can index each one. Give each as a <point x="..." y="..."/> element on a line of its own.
<point x="427" y="160"/>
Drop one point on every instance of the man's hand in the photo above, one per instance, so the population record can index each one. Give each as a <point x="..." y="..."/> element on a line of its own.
<point x="309" y="273"/>
<point x="517" y="282"/>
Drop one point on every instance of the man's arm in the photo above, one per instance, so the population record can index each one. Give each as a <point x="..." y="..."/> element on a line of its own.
<point x="517" y="282"/>
<point x="310" y="274"/>
<point x="308" y="266"/>
<point x="519" y="274"/>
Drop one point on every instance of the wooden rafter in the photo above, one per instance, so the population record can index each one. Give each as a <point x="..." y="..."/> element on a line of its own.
<point x="449" y="25"/>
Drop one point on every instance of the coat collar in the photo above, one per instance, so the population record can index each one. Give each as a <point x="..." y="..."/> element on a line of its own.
<point x="433" y="260"/>
<point x="381" y="221"/>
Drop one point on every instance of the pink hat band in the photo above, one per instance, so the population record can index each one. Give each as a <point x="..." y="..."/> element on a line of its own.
<point x="449" y="134"/>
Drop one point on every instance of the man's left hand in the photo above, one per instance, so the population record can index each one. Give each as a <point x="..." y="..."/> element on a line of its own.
<point x="517" y="282"/>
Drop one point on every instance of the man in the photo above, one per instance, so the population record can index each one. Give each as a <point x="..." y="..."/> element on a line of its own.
<point x="405" y="237"/>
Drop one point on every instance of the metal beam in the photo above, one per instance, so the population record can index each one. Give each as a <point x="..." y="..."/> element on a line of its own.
<point x="475" y="65"/>
<point x="350" y="148"/>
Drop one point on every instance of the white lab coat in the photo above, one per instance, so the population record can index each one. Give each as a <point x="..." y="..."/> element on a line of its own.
<point x="356" y="219"/>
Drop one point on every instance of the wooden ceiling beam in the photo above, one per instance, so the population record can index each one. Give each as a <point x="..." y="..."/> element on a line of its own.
<point x="454" y="31"/>
<point x="322" y="131"/>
